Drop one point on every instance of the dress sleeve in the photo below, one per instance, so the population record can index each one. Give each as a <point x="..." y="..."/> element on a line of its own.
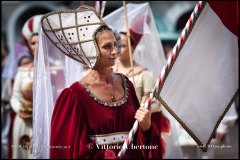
<point x="149" y="143"/>
<point x="147" y="80"/>
<point x="148" y="84"/>
<point x="68" y="129"/>
<point x="16" y="96"/>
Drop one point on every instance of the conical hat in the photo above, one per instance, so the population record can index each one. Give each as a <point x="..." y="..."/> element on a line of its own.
<point x="73" y="32"/>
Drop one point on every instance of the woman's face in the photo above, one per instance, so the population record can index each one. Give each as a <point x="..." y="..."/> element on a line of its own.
<point x="32" y="43"/>
<point x="108" y="48"/>
<point x="124" y="49"/>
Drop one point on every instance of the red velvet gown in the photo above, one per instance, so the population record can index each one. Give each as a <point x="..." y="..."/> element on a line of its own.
<point x="83" y="126"/>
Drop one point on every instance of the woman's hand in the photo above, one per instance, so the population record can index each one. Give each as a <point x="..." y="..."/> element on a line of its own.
<point x="143" y="116"/>
<point x="26" y="114"/>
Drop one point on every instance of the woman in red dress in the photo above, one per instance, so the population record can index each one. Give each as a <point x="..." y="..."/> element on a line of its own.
<point x="92" y="117"/>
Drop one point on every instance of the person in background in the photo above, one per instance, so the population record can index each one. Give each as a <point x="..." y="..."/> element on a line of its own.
<point x="22" y="58"/>
<point x="21" y="100"/>
<point x="143" y="82"/>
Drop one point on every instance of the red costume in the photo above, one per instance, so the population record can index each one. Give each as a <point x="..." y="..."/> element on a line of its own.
<point x="85" y="127"/>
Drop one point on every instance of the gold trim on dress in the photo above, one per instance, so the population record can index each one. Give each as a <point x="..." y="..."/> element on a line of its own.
<point x="106" y="103"/>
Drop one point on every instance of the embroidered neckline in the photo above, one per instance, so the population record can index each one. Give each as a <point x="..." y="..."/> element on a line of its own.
<point x="110" y="104"/>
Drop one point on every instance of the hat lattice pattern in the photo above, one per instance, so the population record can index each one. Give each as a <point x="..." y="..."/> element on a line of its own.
<point x="73" y="33"/>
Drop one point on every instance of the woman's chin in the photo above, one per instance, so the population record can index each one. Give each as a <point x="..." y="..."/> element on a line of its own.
<point x="112" y="62"/>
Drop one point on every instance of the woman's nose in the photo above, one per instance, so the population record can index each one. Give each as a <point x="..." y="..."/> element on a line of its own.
<point x="114" y="51"/>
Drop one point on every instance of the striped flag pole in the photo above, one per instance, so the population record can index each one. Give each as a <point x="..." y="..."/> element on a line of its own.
<point x="164" y="72"/>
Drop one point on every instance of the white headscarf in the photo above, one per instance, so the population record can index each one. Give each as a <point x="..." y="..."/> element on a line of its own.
<point x="149" y="51"/>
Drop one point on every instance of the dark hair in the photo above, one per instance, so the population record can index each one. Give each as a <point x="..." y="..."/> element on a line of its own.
<point x="131" y="39"/>
<point x="99" y="30"/>
<point x="102" y="28"/>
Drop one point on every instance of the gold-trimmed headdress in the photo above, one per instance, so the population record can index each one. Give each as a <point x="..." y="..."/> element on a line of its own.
<point x="73" y="33"/>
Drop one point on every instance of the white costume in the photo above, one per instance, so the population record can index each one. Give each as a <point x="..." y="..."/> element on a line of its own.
<point x="22" y="98"/>
<point x="22" y="129"/>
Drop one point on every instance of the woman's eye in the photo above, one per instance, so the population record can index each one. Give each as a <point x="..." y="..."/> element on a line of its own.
<point x="107" y="47"/>
<point x="123" y="46"/>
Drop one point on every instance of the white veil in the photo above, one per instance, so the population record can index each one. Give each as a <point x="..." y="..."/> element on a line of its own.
<point x="149" y="51"/>
<point x="53" y="72"/>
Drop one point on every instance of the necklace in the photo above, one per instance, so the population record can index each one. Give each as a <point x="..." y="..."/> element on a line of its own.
<point x="112" y="98"/>
<point x="109" y="82"/>
<point x="109" y="103"/>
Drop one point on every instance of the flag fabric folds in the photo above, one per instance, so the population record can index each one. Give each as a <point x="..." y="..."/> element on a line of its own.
<point x="203" y="81"/>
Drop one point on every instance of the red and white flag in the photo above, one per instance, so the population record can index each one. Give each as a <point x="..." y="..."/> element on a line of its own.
<point x="100" y="7"/>
<point x="203" y="81"/>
